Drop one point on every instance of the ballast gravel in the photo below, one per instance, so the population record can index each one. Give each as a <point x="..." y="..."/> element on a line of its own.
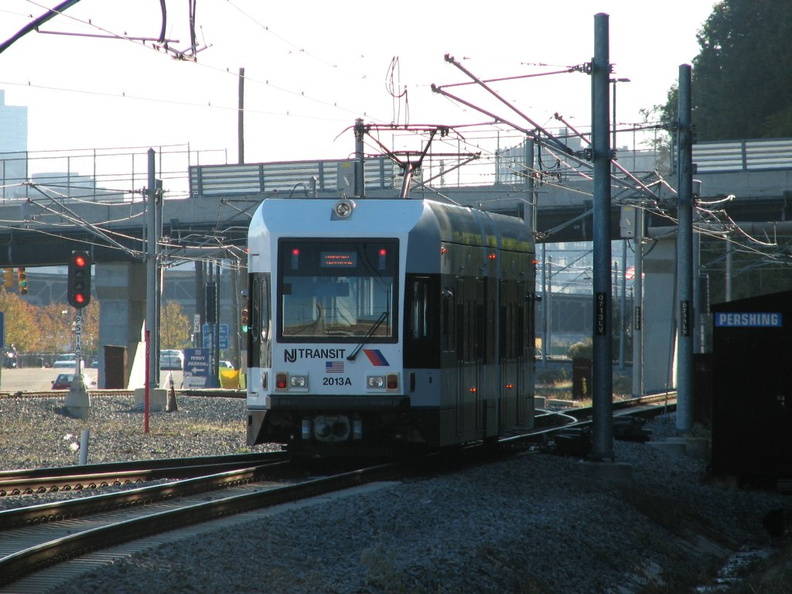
<point x="537" y="523"/>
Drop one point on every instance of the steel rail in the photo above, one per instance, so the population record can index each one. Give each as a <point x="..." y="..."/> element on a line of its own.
<point x="31" y="559"/>
<point x="65" y="478"/>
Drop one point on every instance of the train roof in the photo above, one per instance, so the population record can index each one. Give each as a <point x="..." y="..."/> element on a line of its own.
<point x="375" y="217"/>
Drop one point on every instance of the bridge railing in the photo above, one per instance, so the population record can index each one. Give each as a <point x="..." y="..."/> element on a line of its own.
<point x="762" y="154"/>
<point x="295" y="177"/>
<point x="121" y="174"/>
<point x="96" y="175"/>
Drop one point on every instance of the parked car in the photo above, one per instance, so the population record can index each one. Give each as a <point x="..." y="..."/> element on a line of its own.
<point x="67" y="361"/>
<point x="171" y="359"/>
<point x="63" y="381"/>
<point x="225" y="364"/>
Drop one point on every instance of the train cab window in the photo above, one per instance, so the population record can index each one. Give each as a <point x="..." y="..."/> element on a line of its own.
<point x="338" y="290"/>
<point x="259" y="334"/>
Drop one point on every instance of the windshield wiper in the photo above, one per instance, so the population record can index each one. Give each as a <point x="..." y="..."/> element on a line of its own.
<point x="368" y="335"/>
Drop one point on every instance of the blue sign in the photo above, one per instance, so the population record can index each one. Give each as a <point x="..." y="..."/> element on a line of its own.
<point x="196" y="362"/>
<point x="208" y="336"/>
<point x="749" y="320"/>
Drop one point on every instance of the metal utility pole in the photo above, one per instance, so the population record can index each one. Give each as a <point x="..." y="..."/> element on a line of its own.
<point x="529" y="212"/>
<point x="685" y="313"/>
<point x="637" y="350"/>
<point x="360" y="159"/>
<point x="602" y="365"/>
<point x="152" y="261"/>
<point x="623" y="306"/>
<point x="241" y="117"/>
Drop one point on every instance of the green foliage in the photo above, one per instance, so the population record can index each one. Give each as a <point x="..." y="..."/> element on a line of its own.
<point x="741" y="84"/>
<point x="583" y="348"/>
<point x="175" y="327"/>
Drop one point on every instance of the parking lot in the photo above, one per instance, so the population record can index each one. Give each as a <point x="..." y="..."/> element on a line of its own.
<point x="38" y="379"/>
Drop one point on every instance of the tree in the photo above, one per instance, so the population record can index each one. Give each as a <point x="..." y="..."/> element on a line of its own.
<point x="741" y="86"/>
<point x="20" y="321"/>
<point x="53" y="330"/>
<point x="175" y="327"/>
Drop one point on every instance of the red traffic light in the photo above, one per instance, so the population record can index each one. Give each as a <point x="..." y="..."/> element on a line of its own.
<point x="79" y="283"/>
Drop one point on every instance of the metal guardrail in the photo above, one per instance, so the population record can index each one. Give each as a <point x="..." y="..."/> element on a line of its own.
<point x="764" y="154"/>
<point x="296" y="177"/>
<point x="101" y="175"/>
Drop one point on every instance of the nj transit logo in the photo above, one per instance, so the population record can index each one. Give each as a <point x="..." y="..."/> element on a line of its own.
<point x="376" y="357"/>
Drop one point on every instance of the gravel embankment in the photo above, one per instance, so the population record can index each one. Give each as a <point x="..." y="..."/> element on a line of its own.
<point x="532" y="524"/>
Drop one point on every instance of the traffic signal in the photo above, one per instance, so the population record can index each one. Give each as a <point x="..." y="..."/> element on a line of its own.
<point x="211" y="303"/>
<point x="245" y="319"/>
<point x="22" y="278"/>
<point x="78" y="292"/>
<point x="8" y="278"/>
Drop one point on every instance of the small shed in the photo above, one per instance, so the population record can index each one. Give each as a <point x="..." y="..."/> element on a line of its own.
<point x="752" y="388"/>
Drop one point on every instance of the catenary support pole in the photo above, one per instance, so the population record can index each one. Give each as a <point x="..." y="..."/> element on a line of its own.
<point x="241" y="118"/>
<point x="685" y="313"/>
<point x="602" y="365"/>
<point x="637" y="347"/>
<point x="360" y="159"/>
<point x="151" y="272"/>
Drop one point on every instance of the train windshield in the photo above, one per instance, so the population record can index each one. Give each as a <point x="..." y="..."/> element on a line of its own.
<point x="338" y="290"/>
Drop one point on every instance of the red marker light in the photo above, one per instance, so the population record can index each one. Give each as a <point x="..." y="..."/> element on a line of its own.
<point x="382" y="254"/>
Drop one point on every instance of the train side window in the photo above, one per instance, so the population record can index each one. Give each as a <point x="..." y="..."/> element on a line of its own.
<point x="525" y="322"/>
<point x="447" y="320"/>
<point x="479" y="334"/>
<point x="419" y="315"/>
<point x="260" y="332"/>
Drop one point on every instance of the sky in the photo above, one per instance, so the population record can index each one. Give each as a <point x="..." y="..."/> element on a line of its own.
<point x="313" y="67"/>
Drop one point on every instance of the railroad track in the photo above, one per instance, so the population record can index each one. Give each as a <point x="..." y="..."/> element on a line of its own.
<point x="93" y="476"/>
<point x="204" y="392"/>
<point x="37" y="537"/>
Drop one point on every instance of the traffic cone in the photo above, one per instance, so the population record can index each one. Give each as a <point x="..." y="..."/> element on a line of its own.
<point x="171" y="406"/>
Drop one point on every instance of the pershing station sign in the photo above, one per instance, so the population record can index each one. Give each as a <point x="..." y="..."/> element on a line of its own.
<point x="748" y="320"/>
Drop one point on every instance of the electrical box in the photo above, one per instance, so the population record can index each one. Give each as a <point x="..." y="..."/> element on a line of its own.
<point x="752" y="389"/>
<point x="628" y="222"/>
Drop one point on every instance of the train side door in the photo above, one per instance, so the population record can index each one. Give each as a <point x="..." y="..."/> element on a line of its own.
<point x="470" y="350"/>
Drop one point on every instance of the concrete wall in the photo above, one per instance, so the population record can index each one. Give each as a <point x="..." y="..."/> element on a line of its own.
<point x="122" y="290"/>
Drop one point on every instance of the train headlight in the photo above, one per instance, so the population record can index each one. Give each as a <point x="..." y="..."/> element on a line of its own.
<point x="388" y="382"/>
<point x="298" y="381"/>
<point x="343" y="208"/>
<point x="375" y="382"/>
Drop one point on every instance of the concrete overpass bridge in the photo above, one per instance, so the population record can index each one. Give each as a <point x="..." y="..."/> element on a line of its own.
<point x="208" y="221"/>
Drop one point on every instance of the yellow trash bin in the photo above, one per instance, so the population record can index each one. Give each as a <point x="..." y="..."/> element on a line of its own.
<point x="229" y="378"/>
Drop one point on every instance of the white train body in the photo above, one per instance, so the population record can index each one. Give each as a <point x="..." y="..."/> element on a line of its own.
<point x="378" y="325"/>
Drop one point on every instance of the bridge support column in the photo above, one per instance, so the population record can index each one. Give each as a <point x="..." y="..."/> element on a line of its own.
<point x="121" y="287"/>
<point x="659" y="328"/>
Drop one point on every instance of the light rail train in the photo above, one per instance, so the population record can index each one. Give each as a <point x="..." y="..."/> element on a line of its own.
<point x="381" y="326"/>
